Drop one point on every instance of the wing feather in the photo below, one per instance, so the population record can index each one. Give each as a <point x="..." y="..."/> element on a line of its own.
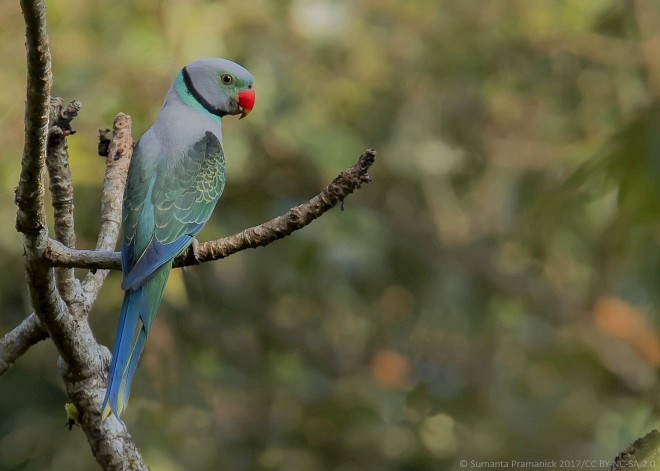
<point x="167" y="204"/>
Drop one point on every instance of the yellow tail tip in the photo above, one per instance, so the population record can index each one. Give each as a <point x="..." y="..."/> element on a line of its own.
<point x="107" y="410"/>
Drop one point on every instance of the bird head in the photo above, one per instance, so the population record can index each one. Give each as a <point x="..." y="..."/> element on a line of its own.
<point x="221" y="86"/>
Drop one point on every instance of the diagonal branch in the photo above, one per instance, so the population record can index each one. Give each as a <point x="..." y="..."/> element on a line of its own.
<point x="296" y="218"/>
<point x="15" y="343"/>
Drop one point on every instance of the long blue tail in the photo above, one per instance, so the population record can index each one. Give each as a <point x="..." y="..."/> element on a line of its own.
<point x="138" y="312"/>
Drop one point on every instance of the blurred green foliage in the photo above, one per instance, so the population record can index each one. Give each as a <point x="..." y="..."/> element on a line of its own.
<point x="491" y="295"/>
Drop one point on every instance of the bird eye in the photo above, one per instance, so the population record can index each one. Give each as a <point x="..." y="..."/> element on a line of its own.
<point x="226" y="79"/>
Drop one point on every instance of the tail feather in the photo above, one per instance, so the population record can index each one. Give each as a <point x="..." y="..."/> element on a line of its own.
<point x="151" y="291"/>
<point x="137" y="316"/>
<point x="132" y="365"/>
<point x="121" y="351"/>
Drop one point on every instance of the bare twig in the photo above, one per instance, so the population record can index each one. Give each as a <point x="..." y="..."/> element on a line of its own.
<point x="61" y="188"/>
<point x="118" y="159"/>
<point x="18" y="341"/>
<point x="62" y="256"/>
<point x="296" y="218"/>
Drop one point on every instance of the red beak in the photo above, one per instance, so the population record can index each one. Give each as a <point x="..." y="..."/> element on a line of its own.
<point x="246" y="102"/>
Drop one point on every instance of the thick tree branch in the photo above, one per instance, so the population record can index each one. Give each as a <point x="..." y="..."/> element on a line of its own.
<point x="31" y="217"/>
<point x="296" y="218"/>
<point x="61" y="187"/>
<point x="118" y="158"/>
<point x="82" y="361"/>
<point x="69" y="335"/>
<point x="30" y="220"/>
<point x="110" y="441"/>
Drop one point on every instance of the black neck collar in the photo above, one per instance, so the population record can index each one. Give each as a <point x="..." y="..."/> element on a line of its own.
<point x="198" y="96"/>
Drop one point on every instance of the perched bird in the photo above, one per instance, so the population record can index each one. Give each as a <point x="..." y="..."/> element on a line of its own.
<point x="175" y="179"/>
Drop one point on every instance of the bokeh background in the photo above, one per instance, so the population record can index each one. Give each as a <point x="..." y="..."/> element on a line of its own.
<point x="491" y="295"/>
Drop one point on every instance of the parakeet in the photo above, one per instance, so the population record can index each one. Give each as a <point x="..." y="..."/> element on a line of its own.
<point x="174" y="181"/>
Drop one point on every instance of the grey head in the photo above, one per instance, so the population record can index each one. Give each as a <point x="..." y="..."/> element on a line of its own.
<point x="220" y="86"/>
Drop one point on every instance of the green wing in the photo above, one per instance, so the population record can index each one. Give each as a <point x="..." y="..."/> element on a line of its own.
<point x="184" y="196"/>
<point x="167" y="204"/>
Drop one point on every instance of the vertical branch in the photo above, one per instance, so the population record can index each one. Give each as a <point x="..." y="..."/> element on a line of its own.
<point x="31" y="217"/>
<point x="61" y="187"/>
<point x="118" y="159"/>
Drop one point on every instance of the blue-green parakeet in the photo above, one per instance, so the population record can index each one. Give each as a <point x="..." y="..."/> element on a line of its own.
<point x="175" y="179"/>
